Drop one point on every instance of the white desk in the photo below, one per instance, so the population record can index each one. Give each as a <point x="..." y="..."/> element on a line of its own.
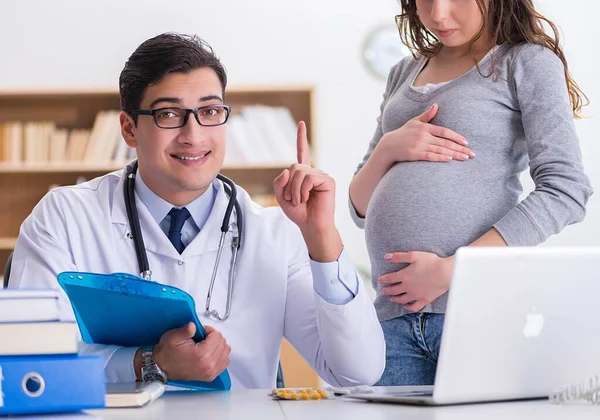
<point x="256" y="404"/>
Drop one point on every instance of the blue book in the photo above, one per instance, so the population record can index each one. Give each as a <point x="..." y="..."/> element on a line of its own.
<point x="51" y="384"/>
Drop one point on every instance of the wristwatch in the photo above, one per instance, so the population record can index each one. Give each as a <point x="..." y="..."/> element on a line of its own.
<point x="150" y="370"/>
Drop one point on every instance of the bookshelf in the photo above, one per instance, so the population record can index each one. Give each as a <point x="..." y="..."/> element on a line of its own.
<point x="23" y="182"/>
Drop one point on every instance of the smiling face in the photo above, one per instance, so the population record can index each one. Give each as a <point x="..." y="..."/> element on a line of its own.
<point x="454" y="22"/>
<point x="178" y="164"/>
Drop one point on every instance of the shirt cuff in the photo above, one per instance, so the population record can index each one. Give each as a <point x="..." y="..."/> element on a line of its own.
<point x="518" y="230"/>
<point x="120" y="366"/>
<point x="336" y="282"/>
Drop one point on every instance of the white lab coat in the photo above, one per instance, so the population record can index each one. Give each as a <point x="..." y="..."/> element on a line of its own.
<point x="85" y="228"/>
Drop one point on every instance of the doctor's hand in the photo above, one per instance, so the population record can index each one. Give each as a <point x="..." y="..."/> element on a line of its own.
<point x="426" y="278"/>
<point x="181" y="358"/>
<point x="307" y="197"/>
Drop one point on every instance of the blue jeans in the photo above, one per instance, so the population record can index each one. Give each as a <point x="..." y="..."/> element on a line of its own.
<point x="413" y="344"/>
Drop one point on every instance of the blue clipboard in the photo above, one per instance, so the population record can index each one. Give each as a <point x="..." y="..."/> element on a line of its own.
<point x="126" y="310"/>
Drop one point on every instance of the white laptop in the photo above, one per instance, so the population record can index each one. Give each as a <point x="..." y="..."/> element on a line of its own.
<point x="520" y="323"/>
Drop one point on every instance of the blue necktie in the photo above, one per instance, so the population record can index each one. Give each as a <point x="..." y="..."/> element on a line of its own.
<point x="178" y="218"/>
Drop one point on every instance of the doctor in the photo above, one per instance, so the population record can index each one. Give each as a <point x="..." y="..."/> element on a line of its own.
<point x="291" y="280"/>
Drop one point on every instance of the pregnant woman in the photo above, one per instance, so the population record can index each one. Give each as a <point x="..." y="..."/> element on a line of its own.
<point x="487" y="95"/>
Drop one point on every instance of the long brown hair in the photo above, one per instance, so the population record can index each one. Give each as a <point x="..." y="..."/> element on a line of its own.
<point x="508" y="21"/>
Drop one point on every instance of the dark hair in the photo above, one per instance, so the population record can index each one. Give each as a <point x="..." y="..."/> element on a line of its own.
<point x="159" y="56"/>
<point x="507" y="21"/>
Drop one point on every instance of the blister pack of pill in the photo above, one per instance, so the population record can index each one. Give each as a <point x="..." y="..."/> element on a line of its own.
<point x="301" y="394"/>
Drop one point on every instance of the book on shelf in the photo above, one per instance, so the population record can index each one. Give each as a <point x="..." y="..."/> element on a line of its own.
<point x="11" y="142"/>
<point x="58" y="145"/>
<point x="76" y="145"/>
<point x="256" y="135"/>
<point x="42" y="142"/>
<point x="104" y="137"/>
<point x="261" y="135"/>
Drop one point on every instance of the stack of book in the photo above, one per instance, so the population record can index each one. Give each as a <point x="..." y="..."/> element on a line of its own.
<point x="257" y="135"/>
<point x="261" y="135"/>
<point x="43" y="142"/>
<point x="40" y="370"/>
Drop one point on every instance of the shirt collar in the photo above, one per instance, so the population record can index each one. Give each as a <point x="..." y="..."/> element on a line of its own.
<point x="199" y="209"/>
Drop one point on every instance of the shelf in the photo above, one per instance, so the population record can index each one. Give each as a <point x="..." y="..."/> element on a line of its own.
<point x="77" y="109"/>
<point x="79" y="167"/>
<point x="7" y="244"/>
<point x="114" y="91"/>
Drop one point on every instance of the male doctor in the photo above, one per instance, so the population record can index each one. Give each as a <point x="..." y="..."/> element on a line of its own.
<point x="292" y="280"/>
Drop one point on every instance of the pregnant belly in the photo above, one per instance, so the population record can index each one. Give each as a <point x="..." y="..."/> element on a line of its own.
<point x="434" y="207"/>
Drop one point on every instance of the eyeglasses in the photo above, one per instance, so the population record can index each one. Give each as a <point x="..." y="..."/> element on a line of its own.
<point x="208" y="116"/>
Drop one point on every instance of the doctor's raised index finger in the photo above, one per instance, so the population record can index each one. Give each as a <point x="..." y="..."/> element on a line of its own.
<point x="303" y="151"/>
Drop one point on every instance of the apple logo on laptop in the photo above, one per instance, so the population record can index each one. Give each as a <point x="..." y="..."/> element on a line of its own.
<point x="534" y="324"/>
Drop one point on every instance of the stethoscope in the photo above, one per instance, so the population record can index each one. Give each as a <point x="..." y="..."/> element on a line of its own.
<point x="140" y="250"/>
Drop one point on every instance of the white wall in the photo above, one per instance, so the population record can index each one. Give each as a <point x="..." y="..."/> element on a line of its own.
<point x="82" y="44"/>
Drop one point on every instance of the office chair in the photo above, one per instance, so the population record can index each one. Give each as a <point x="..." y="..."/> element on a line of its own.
<point x="279" y="382"/>
<point x="7" y="270"/>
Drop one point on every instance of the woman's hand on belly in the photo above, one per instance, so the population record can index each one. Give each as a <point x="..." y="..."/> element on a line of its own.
<point x="426" y="278"/>
<point x="418" y="139"/>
